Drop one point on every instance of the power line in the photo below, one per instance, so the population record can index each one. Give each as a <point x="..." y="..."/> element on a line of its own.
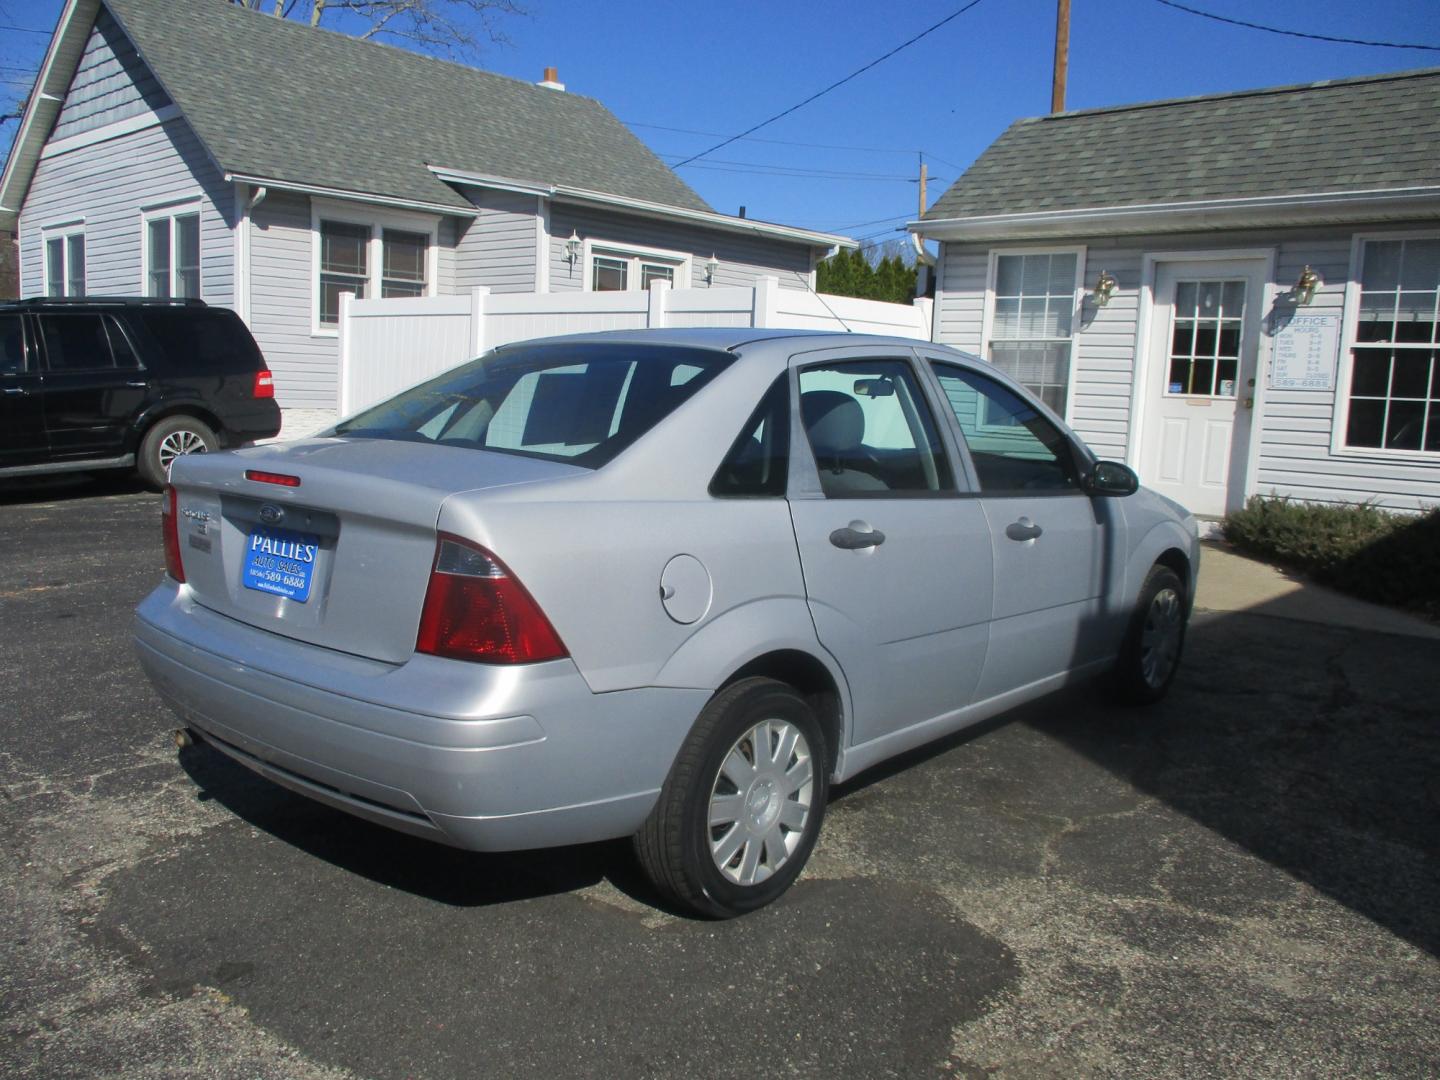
<point x="835" y="85"/>
<point x="25" y="30"/>
<point x="776" y="142"/>
<point x="1295" y="33"/>
<point x="765" y="166"/>
<point x="803" y="174"/>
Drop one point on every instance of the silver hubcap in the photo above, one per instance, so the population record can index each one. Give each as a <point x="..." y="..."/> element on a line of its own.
<point x="760" y="804"/>
<point x="1160" y="638"/>
<point x="177" y="443"/>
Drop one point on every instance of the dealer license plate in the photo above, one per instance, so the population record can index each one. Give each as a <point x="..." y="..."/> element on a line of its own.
<point x="281" y="562"/>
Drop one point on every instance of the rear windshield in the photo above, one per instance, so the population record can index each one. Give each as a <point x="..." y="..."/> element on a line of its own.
<point x="579" y="403"/>
<point x="198" y="341"/>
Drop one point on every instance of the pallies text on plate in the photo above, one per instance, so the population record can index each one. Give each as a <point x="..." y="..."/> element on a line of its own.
<point x="284" y="549"/>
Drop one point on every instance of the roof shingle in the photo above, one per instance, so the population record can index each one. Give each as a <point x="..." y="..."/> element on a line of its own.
<point x="1377" y="132"/>
<point x="272" y="98"/>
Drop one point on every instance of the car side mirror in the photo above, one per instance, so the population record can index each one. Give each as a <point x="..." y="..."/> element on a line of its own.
<point x="1111" y="478"/>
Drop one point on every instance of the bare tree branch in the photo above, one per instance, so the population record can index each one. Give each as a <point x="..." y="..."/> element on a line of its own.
<point x="449" y="27"/>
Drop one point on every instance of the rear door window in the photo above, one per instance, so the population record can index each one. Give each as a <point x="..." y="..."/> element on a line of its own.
<point x="76" y="342"/>
<point x="12" y="344"/>
<point x="198" y="341"/>
<point x="580" y="403"/>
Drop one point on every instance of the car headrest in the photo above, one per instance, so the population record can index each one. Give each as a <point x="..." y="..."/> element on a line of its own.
<point x="835" y="421"/>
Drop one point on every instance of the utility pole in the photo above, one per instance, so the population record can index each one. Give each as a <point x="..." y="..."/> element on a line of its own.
<point x="924" y="173"/>
<point x="1062" y="56"/>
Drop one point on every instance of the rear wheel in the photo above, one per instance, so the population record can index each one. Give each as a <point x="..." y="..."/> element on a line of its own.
<point x="1150" y="656"/>
<point x="169" y="439"/>
<point x="740" y="812"/>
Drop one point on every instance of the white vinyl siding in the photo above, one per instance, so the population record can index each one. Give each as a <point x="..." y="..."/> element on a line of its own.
<point x="1295" y="456"/>
<point x="111" y="83"/>
<point x="742" y="259"/>
<point x="497" y="249"/>
<point x="109" y="183"/>
<point x="305" y="366"/>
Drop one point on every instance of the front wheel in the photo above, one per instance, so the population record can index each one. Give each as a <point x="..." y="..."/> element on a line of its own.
<point x="169" y="439"/>
<point x="741" y="809"/>
<point x="1150" y="655"/>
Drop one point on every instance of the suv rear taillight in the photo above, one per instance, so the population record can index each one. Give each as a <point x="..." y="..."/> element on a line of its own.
<point x="476" y="610"/>
<point x="170" y="526"/>
<point x="264" y="385"/>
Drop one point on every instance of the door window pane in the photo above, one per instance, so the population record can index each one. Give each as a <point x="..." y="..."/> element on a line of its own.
<point x="1026" y="453"/>
<point x="75" y="343"/>
<point x="870" y="430"/>
<point x="1207" y="324"/>
<point x="12" y="345"/>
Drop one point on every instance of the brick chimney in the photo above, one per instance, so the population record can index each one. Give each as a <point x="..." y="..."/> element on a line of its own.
<point x="551" y="81"/>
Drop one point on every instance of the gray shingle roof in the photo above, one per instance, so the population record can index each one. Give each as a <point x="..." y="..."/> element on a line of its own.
<point x="1356" y="134"/>
<point x="272" y="98"/>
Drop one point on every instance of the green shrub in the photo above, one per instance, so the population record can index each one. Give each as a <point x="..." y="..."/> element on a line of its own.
<point x="1378" y="556"/>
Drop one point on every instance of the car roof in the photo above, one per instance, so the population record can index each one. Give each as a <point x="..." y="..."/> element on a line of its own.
<point x="726" y="338"/>
<point x="71" y="303"/>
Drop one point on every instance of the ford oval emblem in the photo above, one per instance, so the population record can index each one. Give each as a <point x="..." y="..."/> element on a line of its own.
<point x="271" y="514"/>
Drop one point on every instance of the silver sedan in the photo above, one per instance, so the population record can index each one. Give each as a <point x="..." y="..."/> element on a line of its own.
<point x="667" y="584"/>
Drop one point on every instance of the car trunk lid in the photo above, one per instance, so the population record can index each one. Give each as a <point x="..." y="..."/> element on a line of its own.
<point x="329" y="541"/>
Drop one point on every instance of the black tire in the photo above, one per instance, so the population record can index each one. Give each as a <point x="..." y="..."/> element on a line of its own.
<point x="168" y="439"/>
<point x="1150" y="655"/>
<point x="674" y="845"/>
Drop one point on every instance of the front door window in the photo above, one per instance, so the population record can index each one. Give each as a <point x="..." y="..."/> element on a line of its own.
<point x="1205" y="332"/>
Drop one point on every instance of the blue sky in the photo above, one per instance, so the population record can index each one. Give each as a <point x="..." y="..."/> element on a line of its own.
<point x="721" y="67"/>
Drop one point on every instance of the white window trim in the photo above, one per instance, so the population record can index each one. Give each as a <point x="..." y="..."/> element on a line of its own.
<point x="680" y="259"/>
<point x="61" y="231"/>
<point x="987" y="320"/>
<point x="1344" y="369"/>
<point x="377" y="221"/>
<point x="170" y="209"/>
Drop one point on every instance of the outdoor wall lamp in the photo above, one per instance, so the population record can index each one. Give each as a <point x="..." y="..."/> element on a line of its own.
<point x="712" y="266"/>
<point x="572" y="247"/>
<point x="1305" y="286"/>
<point x="1105" y="288"/>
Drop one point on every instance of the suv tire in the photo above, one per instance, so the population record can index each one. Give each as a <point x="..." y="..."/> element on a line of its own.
<point x="167" y="440"/>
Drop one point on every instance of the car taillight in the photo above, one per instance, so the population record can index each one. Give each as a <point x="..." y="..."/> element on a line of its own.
<point x="476" y="610"/>
<point x="170" y="527"/>
<point x="264" y="385"/>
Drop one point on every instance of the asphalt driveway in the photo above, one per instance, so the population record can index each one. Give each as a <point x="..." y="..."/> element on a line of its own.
<point x="1242" y="881"/>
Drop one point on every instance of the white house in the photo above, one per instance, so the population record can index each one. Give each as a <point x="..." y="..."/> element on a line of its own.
<point x="196" y="148"/>
<point x="1235" y="294"/>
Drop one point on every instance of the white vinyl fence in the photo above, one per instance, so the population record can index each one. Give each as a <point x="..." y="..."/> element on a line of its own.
<point x="388" y="345"/>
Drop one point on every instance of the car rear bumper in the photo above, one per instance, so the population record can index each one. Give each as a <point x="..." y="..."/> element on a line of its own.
<point x="478" y="756"/>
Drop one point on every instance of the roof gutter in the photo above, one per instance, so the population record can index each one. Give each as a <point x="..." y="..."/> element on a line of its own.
<point x="353" y="196"/>
<point x="645" y="208"/>
<point x="1270" y="210"/>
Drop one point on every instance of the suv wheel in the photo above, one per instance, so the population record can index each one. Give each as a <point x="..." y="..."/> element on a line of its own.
<point x="741" y="809"/>
<point x="167" y="440"/>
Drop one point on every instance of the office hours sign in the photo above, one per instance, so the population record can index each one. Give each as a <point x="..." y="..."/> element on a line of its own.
<point x="1305" y="353"/>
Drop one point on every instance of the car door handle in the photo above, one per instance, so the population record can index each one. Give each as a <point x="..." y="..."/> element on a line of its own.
<point x="14" y="390"/>
<point x="853" y="539"/>
<point x="140" y="385"/>
<point x="1024" y="529"/>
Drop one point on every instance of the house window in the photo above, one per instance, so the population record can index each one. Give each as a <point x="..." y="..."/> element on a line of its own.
<point x="403" y="262"/>
<point x="620" y="269"/>
<point x="369" y="259"/>
<point x="1394" y="399"/>
<point x="1031" y="322"/>
<point x="65" y="261"/>
<point x="172" y="253"/>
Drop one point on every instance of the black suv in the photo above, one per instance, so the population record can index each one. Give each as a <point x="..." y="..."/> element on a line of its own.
<point x="114" y="382"/>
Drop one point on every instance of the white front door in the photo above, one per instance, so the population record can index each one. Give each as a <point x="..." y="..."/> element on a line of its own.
<point x="1200" y="378"/>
